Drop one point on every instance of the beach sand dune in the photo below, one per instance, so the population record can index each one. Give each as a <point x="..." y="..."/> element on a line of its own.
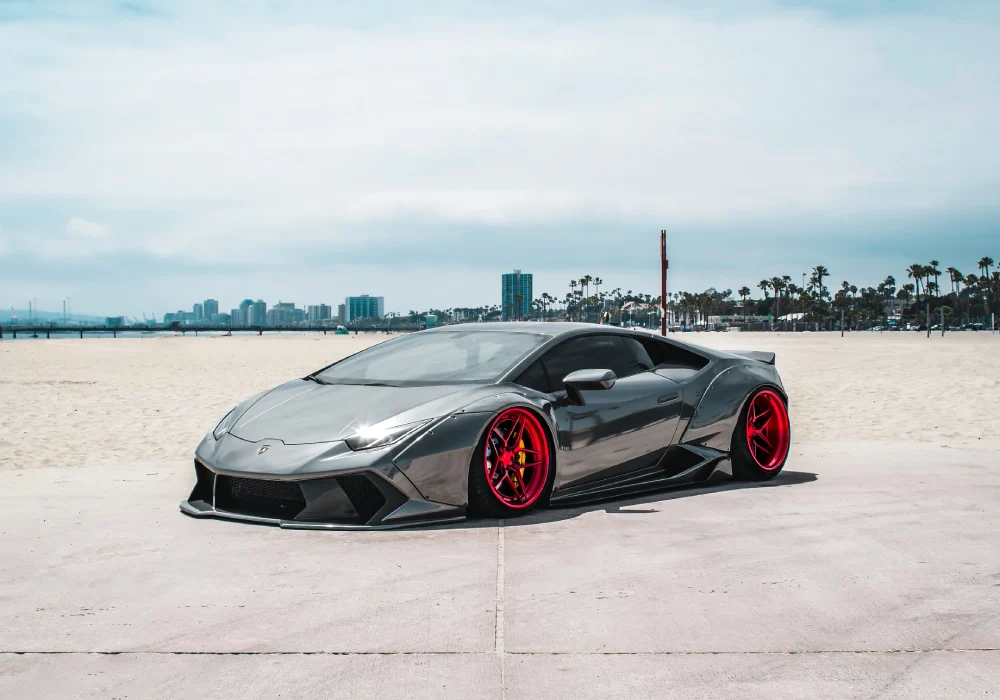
<point x="82" y="402"/>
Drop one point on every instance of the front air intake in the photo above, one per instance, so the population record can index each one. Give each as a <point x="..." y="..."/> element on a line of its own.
<point x="263" y="498"/>
<point x="364" y="495"/>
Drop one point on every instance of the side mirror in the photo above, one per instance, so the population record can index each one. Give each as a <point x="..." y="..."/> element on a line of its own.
<point x="588" y="380"/>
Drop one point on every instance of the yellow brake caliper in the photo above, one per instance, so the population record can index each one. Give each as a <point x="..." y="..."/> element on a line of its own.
<point x="521" y="457"/>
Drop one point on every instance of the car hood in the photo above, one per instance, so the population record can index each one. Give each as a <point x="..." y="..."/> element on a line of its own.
<point x="301" y="412"/>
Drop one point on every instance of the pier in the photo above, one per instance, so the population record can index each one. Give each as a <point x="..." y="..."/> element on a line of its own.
<point x="36" y="330"/>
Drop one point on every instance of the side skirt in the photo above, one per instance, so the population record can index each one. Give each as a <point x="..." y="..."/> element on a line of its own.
<point x="680" y="465"/>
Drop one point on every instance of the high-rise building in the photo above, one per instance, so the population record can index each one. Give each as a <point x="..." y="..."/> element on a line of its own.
<point x="319" y="312"/>
<point x="259" y="313"/>
<point x="364" y="306"/>
<point x="237" y="317"/>
<point x="341" y="313"/>
<point x="211" y="308"/>
<point x="515" y="295"/>
<point x="197" y="313"/>
<point x="284" y="313"/>
<point x="246" y="312"/>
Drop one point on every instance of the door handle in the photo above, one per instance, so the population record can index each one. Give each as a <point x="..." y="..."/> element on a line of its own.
<point x="667" y="398"/>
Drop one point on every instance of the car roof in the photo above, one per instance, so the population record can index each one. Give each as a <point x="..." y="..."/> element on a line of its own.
<point x="549" y="328"/>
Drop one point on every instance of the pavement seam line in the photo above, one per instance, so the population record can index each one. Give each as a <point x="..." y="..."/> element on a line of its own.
<point x="498" y="630"/>
<point x="816" y="652"/>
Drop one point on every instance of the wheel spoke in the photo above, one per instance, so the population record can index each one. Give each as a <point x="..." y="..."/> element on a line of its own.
<point x="514" y="479"/>
<point x="519" y="426"/>
<point x="761" y="419"/>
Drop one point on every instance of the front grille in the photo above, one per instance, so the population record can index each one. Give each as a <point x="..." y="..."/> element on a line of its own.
<point x="260" y="497"/>
<point x="364" y="495"/>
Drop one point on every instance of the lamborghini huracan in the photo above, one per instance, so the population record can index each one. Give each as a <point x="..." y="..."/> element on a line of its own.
<point x="493" y="420"/>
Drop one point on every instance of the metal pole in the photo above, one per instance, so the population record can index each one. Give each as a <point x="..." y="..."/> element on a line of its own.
<point x="942" y="321"/>
<point x="841" y="321"/>
<point x="927" y="311"/>
<point x="663" y="281"/>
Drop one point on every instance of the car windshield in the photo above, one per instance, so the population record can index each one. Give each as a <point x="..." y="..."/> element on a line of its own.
<point x="437" y="357"/>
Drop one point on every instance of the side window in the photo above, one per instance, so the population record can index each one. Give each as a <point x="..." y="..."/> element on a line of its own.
<point x="589" y="352"/>
<point x="639" y="355"/>
<point x="666" y="354"/>
<point x="534" y="378"/>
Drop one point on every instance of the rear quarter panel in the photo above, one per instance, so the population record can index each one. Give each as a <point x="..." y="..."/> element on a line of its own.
<point x="715" y="402"/>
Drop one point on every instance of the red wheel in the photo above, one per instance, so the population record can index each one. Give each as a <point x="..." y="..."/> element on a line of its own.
<point x="512" y="467"/>
<point x="762" y="437"/>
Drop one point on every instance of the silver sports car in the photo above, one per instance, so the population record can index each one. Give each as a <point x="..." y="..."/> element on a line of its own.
<point x="494" y="420"/>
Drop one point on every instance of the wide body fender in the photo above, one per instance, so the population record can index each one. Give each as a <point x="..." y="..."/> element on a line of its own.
<point x="717" y="408"/>
<point x="437" y="464"/>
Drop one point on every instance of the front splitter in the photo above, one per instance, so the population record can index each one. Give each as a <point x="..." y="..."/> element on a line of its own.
<point x="195" y="512"/>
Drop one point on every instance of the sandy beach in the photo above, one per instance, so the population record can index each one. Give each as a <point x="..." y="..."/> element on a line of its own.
<point x="93" y="401"/>
<point x="870" y="567"/>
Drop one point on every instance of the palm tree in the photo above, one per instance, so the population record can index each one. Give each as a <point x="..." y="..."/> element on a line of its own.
<point x="954" y="277"/>
<point x="916" y="273"/>
<point x="984" y="265"/>
<point x="744" y="292"/>
<point x="584" y="294"/>
<point x="777" y="284"/>
<point x="820" y="273"/>
<point x="933" y="271"/>
<point x="765" y="285"/>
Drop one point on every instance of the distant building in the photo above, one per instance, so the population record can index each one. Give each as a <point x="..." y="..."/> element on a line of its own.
<point x="114" y="321"/>
<point x="515" y="295"/>
<point x="362" y="307"/>
<point x="211" y="308"/>
<point x="341" y="313"/>
<point x="284" y="314"/>
<point x="220" y="319"/>
<point x="197" y="313"/>
<point x="237" y="317"/>
<point x="318" y="313"/>
<point x="259" y="314"/>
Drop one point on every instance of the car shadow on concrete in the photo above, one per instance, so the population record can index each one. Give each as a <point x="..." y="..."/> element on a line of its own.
<point x="626" y="505"/>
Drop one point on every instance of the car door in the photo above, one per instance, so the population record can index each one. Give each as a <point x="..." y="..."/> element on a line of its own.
<point x="615" y="431"/>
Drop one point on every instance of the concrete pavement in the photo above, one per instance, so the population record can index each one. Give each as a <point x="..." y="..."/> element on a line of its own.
<point x="863" y="571"/>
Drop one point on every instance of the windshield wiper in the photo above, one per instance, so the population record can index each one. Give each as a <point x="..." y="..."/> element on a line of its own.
<point x="314" y="378"/>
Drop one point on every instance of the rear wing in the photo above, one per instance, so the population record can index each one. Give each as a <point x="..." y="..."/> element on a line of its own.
<point x="766" y="357"/>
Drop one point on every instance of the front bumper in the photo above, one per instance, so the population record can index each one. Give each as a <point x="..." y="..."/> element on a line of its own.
<point x="353" y="501"/>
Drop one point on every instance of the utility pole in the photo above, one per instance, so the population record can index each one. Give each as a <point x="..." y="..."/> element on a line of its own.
<point x="927" y="312"/>
<point x="942" y="321"/>
<point x="841" y="321"/>
<point x="664" y="264"/>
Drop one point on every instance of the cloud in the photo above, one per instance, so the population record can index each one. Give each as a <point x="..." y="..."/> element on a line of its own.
<point x="88" y="229"/>
<point x="457" y="132"/>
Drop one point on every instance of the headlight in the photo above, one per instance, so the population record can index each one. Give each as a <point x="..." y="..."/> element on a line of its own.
<point x="226" y="424"/>
<point x="370" y="438"/>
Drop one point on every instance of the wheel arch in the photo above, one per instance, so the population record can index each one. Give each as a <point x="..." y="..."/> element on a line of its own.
<point x="715" y="416"/>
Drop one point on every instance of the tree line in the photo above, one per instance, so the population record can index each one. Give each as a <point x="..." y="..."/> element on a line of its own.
<point x="968" y="296"/>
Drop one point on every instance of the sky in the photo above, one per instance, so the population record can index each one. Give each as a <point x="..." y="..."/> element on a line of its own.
<point x="154" y="154"/>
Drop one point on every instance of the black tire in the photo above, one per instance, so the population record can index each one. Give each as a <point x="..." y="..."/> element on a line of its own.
<point x="747" y="466"/>
<point x="483" y="501"/>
